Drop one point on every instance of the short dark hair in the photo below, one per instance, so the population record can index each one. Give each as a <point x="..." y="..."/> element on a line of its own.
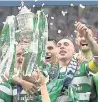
<point x="52" y="39"/>
<point x="72" y="39"/>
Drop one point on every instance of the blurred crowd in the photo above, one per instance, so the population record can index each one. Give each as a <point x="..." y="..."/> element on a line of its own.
<point x="61" y="18"/>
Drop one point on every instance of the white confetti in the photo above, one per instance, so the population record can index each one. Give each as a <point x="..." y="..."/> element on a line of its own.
<point x="33" y="5"/>
<point x="4" y="23"/>
<point x="19" y="8"/>
<point x="59" y="31"/>
<point x="75" y="21"/>
<point x="43" y="4"/>
<point x="72" y="5"/>
<point x="75" y="31"/>
<point x="81" y="6"/>
<point x="52" y="17"/>
<point x="46" y="15"/>
<point x="51" y="23"/>
<point x="64" y="12"/>
<point x="71" y="35"/>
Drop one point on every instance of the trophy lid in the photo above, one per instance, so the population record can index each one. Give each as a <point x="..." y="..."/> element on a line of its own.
<point x="25" y="19"/>
<point x="23" y="9"/>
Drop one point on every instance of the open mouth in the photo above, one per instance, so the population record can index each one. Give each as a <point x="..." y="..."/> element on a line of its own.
<point x="62" y="52"/>
<point x="84" y="44"/>
<point x="20" y="61"/>
<point x="47" y="57"/>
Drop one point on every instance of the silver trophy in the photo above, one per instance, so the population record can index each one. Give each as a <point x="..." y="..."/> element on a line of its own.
<point x="36" y="26"/>
<point x="25" y="19"/>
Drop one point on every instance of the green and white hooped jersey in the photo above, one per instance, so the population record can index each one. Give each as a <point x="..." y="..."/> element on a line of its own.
<point x="5" y="92"/>
<point x="24" y="96"/>
<point x="80" y="87"/>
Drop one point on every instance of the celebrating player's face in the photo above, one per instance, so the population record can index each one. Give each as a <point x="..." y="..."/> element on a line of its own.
<point x="82" y="43"/>
<point x="19" y="56"/>
<point x="50" y="52"/>
<point x="65" y="49"/>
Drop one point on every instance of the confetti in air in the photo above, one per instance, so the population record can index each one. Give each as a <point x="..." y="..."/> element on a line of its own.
<point x="4" y="23"/>
<point x="51" y="23"/>
<point x="46" y="15"/>
<point x="64" y="12"/>
<point x="72" y="5"/>
<point x="81" y="6"/>
<point x="75" y="21"/>
<point x="75" y="31"/>
<point x="33" y="5"/>
<point x="19" y="8"/>
<point x="71" y="35"/>
<point x="59" y="31"/>
<point x="43" y="4"/>
<point x="52" y="17"/>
